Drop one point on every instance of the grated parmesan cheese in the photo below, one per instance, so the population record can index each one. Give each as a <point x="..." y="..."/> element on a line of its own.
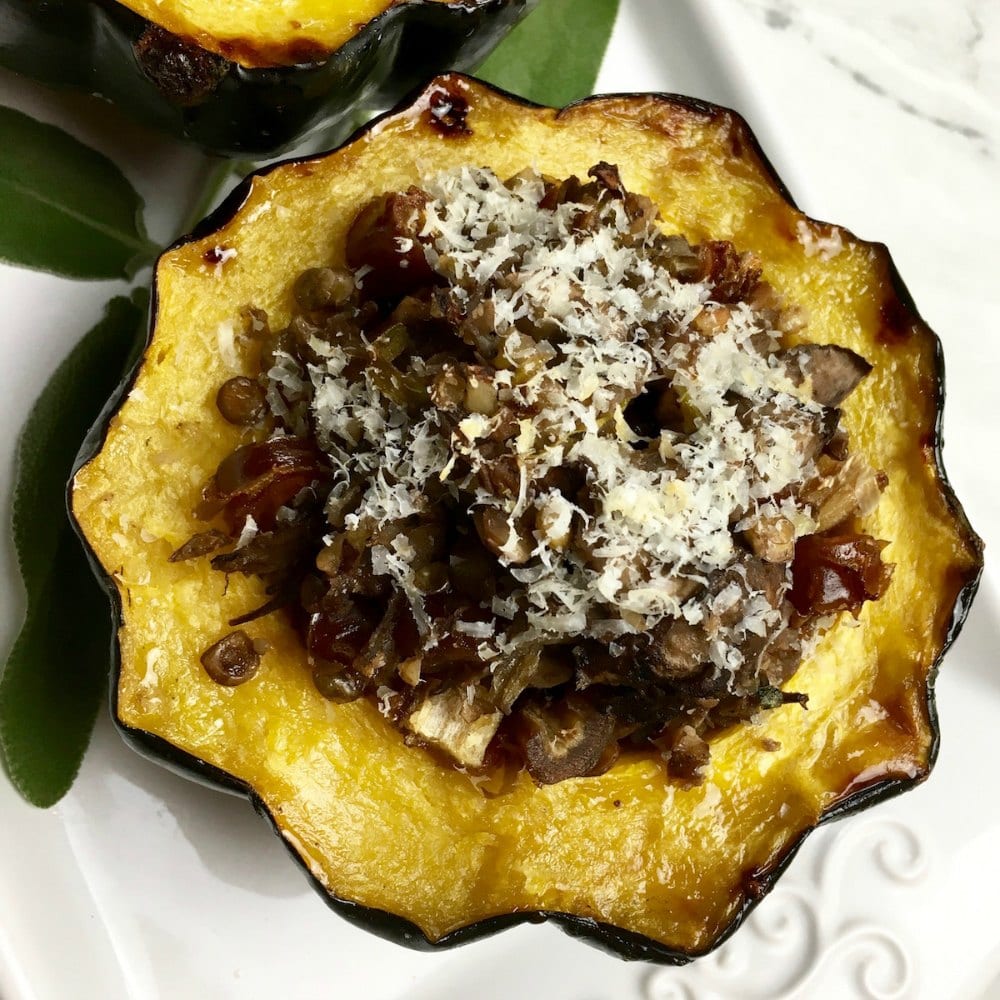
<point x="825" y="247"/>
<point x="584" y="318"/>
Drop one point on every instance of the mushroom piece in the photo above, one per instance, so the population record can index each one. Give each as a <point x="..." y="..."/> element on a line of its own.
<point x="732" y="274"/>
<point x="565" y="741"/>
<point x="678" y="257"/>
<point x="607" y="175"/>
<point x="813" y="431"/>
<point x="513" y="675"/>
<point x="842" y="490"/>
<point x="781" y="656"/>
<point x="500" y="476"/>
<point x="593" y="663"/>
<point x="771" y="537"/>
<point x="530" y="667"/>
<point x="730" y="589"/>
<point x="833" y="371"/>
<point x="810" y="429"/>
<point x="677" y="649"/>
<point x="765" y="578"/>
<point x="460" y="721"/>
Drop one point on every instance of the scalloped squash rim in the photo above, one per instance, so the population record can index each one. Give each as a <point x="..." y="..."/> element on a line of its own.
<point x="628" y="943"/>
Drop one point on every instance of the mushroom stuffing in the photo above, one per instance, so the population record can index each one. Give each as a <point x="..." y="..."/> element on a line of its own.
<point x="542" y="480"/>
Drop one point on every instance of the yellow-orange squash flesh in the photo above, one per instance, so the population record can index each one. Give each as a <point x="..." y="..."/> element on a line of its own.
<point x="267" y="32"/>
<point x="387" y="826"/>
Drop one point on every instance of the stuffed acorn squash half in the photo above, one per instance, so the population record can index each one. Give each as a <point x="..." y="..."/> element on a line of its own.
<point x="250" y="78"/>
<point x="536" y="515"/>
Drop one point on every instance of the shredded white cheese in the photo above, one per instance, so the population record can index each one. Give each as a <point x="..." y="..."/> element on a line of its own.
<point x="585" y="318"/>
<point x="825" y="247"/>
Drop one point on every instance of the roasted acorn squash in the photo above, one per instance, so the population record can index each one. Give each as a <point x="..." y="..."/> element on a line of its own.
<point x="249" y="79"/>
<point x="398" y="842"/>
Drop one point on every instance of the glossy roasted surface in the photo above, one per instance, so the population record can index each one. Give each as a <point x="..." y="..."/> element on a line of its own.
<point x="381" y="824"/>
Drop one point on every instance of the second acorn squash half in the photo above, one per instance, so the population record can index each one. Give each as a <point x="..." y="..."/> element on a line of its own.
<point x="262" y="33"/>
<point x="255" y="77"/>
<point x="394" y="839"/>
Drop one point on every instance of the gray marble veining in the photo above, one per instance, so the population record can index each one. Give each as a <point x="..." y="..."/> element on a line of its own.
<point x="935" y="60"/>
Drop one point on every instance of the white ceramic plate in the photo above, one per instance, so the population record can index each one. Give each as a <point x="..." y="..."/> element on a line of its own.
<point x="140" y="885"/>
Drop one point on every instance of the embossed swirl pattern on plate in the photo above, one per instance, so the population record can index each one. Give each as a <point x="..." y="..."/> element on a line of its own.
<point x="806" y="930"/>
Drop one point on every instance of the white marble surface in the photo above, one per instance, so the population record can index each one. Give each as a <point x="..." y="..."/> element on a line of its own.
<point x="883" y="116"/>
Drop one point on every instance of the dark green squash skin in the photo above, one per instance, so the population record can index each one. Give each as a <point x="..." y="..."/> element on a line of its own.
<point x="256" y="113"/>
<point x="624" y="944"/>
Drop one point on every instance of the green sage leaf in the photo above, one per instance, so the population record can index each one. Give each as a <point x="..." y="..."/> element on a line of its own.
<point x="67" y="209"/>
<point x="554" y="55"/>
<point x="53" y="681"/>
